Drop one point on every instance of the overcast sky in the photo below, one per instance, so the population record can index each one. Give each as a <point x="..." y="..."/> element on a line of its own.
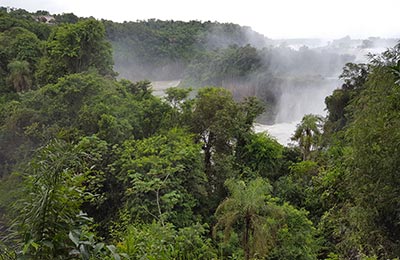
<point x="273" y="18"/>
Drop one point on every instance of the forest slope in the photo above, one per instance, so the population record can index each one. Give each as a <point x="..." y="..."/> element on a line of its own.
<point x="96" y="167"/>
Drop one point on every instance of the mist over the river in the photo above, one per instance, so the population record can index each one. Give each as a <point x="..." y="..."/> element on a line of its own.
<point x="295" y="100"/>
<point x="291" y="76"/>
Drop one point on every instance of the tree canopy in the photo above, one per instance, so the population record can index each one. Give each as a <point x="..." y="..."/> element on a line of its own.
<point x="95" y="167"/>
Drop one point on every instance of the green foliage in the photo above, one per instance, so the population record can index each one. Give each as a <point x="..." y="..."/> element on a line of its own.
<point x="354" y="77"/>
<point x="263" y="155"/>
<point x="294" y="234"/>
<point x="20" y="52"/>
<point x="175" y="96"/>
<point x="308" y="135"/>
<point x="20" y="76"/>
<point x="246" y="207"/>
<point x="102" y="206"/>
<point x="156" y="49"/>
<point x="141" y="89"/>
<point x="163" y="177"/>
<point x="268" y="230"/>
<point x="21" y="18"/>
<point x="6" y="253"/>
<point x="156" y="241"/>
<point x="48" y="222"/>
<point x="181" y="113"/>
<point x="26" y="46"/>
<point x="299" y="187"/>
<point x="66" y="18"/>
<point x="87" y="161"/>
<point x="221" y="125"/>
<point x="54" y="193"/>
<point x="86" y="247"/>
<point x="374" y="166"/>
<point x="226" y="64"/>
<point x="215" y="119"/>
<point x="74" y="48"/>
<point x="78" y="105"/>
<point x="336" y="104"/>
<point x="359" y="186"/>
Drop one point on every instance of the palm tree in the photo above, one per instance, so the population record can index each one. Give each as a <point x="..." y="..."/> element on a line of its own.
<point x="20" y="75"/>
<point x="245" y="210"/>
<point x="308" y="134"/>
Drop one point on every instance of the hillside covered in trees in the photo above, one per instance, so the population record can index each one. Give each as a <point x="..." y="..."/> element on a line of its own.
<point x="220" y="54"/>
<point x="93" y="166"/>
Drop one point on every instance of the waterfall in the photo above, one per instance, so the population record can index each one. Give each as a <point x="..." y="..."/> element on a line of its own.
<point x="294" y="103"/>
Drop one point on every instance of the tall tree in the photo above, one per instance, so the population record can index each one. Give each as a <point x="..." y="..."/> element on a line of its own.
<point x="269" y="230"/>
<point x="215" y="120"/>
<point x="223" y="127"/>
<point x="247" y="208"/>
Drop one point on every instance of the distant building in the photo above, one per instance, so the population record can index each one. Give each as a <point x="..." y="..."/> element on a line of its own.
<point x="46" y="19"/>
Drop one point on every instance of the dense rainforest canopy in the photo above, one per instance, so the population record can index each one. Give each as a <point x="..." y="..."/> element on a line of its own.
<point x="96" y="167"/>
<point x="220" y="54"/>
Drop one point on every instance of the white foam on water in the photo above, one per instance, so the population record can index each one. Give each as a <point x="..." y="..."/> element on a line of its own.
<point x="282" y="131"/>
